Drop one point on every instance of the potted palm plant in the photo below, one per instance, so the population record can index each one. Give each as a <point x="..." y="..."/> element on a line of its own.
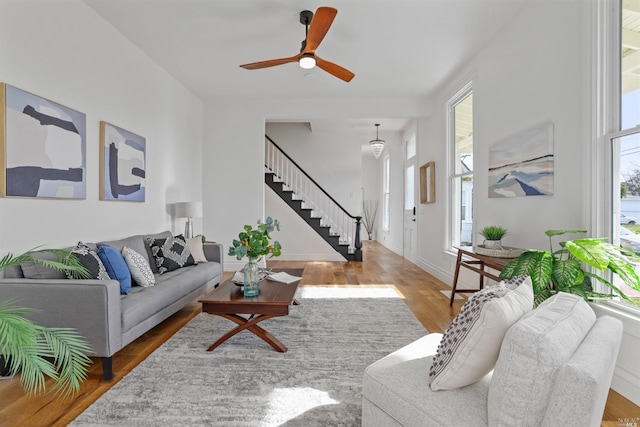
<point x="561" y="270"/>
<point x="37" y="351"/>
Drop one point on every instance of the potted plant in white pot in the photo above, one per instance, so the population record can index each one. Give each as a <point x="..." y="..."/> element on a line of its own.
<point x="37" y="351"/>
<point x="493" y="235"/>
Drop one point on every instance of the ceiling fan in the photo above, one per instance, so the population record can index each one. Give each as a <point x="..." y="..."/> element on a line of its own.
<point x="316" y="27"/>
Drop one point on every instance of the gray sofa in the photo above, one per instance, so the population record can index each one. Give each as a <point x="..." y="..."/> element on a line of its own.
<point x="109" y="321"/>
<point x="554" y="369"/>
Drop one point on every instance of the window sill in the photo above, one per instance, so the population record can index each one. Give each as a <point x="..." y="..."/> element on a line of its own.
<point x="621" y="311"/>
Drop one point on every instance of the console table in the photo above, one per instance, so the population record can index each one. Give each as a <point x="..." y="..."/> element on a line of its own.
<point x="468" y="258"/>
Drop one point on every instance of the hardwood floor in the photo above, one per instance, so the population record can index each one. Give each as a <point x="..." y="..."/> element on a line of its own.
<point x="420" y="290"/>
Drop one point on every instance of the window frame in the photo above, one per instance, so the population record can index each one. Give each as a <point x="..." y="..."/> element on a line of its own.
<point x="607" y="130"/>
<point x="454" y="214"/>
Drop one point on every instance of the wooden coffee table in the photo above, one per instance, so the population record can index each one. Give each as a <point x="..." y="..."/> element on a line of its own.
<point x="228" y="301"/>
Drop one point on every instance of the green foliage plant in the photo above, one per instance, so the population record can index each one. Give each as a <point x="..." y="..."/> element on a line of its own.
<point x="255" y="243"/>
<point x="561" y="270"/>
<point x="493" y="232"/>
<point x="40" y="352"/>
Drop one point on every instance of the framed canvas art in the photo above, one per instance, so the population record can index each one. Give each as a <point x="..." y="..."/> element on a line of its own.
<point x="43" y="144"/>
<point x="428" y="183"/>
<point x="122" y="164"/>
<point x="522" y="165"/>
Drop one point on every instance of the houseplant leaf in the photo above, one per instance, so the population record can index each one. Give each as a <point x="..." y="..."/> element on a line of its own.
<point x="611" y="286"/>
<point x="536" y="264"/>
<point x="37" y="351"/>
<point x="552" y="233"/>
<point x="567" y="274"/>
<point x="592" y="252"/>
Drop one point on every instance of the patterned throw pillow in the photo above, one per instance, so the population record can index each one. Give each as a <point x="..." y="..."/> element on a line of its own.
<point x="139" y="268"/>
<point x="170" y="253"/>
<point x="469" y="347"/>
<point x="89" y="260"/>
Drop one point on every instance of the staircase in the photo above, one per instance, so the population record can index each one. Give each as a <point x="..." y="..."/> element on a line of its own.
<point x="312" y="203"/>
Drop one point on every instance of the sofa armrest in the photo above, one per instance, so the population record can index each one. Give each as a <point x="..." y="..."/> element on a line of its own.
<point x="92" y="307"/>
<point x="214" y="252"/>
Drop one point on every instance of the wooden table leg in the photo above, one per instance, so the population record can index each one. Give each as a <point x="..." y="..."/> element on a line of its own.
<point x="251" y="325"/>
<point x="455" y="278"/>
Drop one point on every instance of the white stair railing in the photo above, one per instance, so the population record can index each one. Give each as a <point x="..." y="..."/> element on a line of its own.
<point x="313" y="197"/>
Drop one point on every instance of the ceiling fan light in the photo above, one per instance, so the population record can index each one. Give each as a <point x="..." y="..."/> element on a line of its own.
<point x="307" y="62"/>
<point x="377" y="145"/>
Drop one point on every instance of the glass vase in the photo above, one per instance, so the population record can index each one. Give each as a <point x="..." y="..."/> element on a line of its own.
<point x="251" y="278"/>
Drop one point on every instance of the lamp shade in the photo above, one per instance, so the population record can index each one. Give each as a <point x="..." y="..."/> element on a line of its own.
<point x="188" y="209"/>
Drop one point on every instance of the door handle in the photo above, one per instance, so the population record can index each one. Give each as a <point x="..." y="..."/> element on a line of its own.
<point x="414" y="211"/>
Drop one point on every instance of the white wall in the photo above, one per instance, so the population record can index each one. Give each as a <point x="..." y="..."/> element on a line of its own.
<point x="371" y="184"/>
<point x="299" y="241"/>
<point x="393" y="238"/>
<point x="523" y="78"/>
<point x="65" y="52"/>
<point x="233" y="152"/>
<point x="315" y="152"/>
<point x="333" y="159"/>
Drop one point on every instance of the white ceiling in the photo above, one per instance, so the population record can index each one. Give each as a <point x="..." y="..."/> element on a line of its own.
<point x="396" y="48"/>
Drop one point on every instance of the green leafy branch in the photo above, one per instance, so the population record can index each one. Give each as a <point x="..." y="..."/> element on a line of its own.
<point x="39" y="352"/>
<point x="255" y="243"/>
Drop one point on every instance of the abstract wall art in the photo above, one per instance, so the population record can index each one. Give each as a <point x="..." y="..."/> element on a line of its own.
<point x="43" y="144"/>
<point x="122" y="164"/>
<point x="522" y="165"/>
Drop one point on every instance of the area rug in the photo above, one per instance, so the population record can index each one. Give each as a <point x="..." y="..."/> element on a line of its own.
<point x="332" y="336"/>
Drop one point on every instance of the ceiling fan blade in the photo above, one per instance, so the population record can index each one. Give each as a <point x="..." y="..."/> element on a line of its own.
<point x="270" y="63"/>
<point x="334" y="69"/>
<point x="322" y="20"/>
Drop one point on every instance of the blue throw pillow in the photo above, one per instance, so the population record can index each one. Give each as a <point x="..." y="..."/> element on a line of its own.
<point x="116" y="266"/>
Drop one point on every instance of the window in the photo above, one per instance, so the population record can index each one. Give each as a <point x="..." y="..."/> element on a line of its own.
<point x="411" y="146"/>
<point x="410" y="173"/>
<point x="624" y="137"/>
<point x="386" y="209"/>
<point x="460" y="143"/>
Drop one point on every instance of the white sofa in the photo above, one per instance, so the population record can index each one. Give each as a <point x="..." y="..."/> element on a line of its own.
<point x="554" y="369"/>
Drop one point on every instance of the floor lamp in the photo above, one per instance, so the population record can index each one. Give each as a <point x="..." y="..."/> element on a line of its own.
<point x="188" y="210"/>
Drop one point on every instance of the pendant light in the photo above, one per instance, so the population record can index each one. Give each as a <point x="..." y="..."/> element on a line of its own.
<point x="377" y="145"/>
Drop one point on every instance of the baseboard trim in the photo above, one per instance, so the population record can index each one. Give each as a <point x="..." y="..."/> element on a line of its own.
<point x="439" y="273"/>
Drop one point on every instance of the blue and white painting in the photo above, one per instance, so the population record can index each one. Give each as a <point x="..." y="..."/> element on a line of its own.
<point x="45" y="146"/>
<point x="123" y="160"/>
<point x="522" y="165"/>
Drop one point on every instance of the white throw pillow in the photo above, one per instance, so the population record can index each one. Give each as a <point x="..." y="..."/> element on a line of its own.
<point x="195" y="246"/>
<point x="139" y="267"/>
<point x="470" y="346"/>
